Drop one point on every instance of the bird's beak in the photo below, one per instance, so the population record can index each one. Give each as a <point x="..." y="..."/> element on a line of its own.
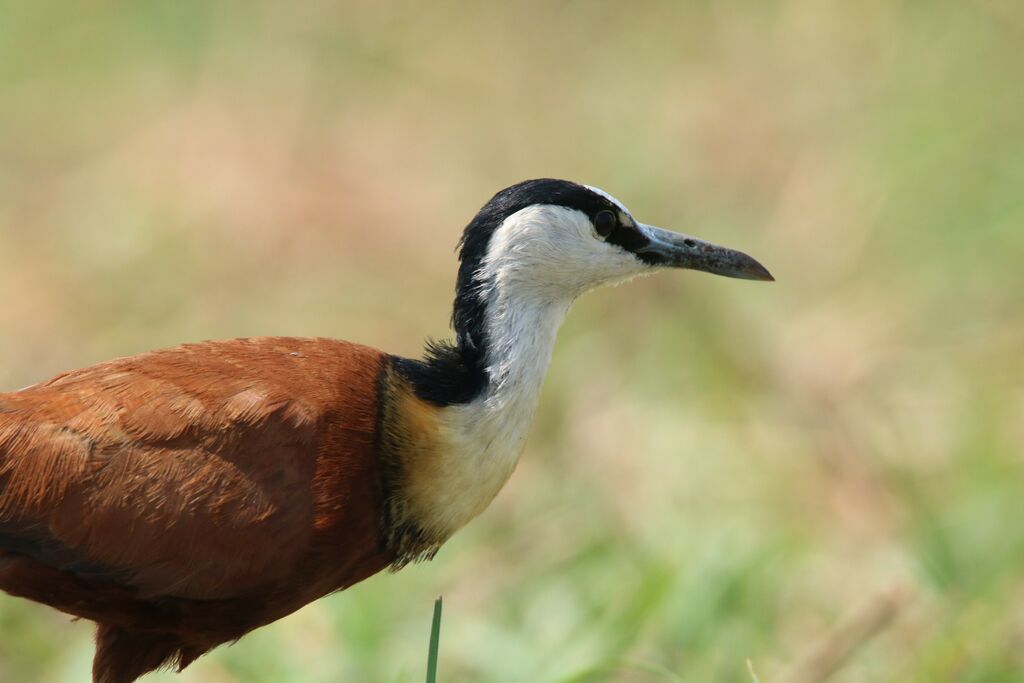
<point x="674" y="250"/>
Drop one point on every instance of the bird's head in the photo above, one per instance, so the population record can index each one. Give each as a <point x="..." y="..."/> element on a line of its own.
<point x="551" y="240"/>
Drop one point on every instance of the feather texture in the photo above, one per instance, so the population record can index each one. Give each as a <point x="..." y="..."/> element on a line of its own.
<point x="184" y="497"/>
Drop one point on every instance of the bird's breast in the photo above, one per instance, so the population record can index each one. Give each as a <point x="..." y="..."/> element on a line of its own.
<point x="443" y="465"/>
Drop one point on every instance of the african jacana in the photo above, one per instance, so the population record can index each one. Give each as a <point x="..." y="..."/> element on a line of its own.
<point x="183" y="497"/>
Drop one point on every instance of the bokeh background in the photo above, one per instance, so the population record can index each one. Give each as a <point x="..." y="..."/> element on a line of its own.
<point x="823" y="476"/>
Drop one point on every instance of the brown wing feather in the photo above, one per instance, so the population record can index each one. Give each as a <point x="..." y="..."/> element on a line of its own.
<point x="205" y="471"/>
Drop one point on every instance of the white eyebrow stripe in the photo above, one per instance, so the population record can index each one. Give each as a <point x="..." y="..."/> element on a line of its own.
<point x="613" y="200"/>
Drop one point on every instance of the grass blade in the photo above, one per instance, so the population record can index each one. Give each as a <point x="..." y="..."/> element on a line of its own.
<point x="435" y="639"/>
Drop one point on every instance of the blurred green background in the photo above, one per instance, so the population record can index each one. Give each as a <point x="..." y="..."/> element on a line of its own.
<point x="823" y="476"/>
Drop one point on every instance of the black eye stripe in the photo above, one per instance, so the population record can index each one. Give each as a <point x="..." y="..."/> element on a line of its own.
<point x="605" y="222"/>
<point x="632" y="240"/>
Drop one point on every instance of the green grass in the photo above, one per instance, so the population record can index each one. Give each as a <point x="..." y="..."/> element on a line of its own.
<point x="720" y="471"/>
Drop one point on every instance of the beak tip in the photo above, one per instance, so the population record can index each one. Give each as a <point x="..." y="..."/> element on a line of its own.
<point x="755" y="271"/>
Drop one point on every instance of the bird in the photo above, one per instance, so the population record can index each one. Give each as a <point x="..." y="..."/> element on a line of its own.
<point x="183" y="497"/>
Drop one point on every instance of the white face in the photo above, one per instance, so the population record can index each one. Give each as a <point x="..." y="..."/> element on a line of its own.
<point x="555" y="253"/>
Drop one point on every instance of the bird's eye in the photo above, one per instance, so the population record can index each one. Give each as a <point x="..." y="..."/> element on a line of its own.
<point x="604" y="222"/>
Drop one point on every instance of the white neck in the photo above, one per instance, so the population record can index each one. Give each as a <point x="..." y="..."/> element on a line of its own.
<point x="538" y="261"/>
<point x="485" y="437"/>
<point x="521" y="336"/>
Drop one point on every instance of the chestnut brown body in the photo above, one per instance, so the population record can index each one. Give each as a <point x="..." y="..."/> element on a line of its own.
<point x="183" y="497"/>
